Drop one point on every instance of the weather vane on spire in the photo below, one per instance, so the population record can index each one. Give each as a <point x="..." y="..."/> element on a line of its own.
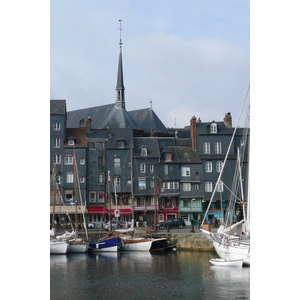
<point x="120" y="20"/>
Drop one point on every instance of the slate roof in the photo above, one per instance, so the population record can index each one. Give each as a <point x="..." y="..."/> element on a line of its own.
<point x="146" y="142"/>
<point x="187" y="155"/>
<point x="58" y="107"/>
<point x="204" y="128"/>
<point x="146" y="118"/>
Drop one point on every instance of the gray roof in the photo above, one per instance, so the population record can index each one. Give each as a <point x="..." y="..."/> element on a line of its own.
<point x="187" y="155"/>
<point x="146" y="119"/>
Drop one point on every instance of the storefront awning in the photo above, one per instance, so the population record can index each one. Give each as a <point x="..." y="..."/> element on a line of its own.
<point x="123" y="212"/>
<point x="97" y="210"/>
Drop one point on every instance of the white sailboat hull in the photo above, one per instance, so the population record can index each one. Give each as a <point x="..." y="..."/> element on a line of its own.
<point x="136" y="245"/>
<point x="78" y="248"/>
<point x="233" y="251"/>
<point x="226" y="263"/>
<point x="59" y="247"/>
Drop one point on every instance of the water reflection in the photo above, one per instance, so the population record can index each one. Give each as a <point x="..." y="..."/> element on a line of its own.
<point x="142" y="275"/>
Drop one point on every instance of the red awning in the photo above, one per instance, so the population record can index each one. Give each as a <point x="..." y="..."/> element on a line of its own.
<point x="123" y="212"/>
<point x="97" y="210"/>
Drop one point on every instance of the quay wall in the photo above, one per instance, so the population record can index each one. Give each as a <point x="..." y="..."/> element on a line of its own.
<point x="185" y="241"/>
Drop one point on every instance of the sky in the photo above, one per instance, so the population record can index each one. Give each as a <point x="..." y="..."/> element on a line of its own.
<point x="187" y="57"/>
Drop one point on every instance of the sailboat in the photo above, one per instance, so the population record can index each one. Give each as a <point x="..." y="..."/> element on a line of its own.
<point x="77" y="244"/>
<point x="57" y="246"/>
<point x="233" y="247"/>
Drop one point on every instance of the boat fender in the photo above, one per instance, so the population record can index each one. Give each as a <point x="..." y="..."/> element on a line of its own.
<point x="97" y="246"/>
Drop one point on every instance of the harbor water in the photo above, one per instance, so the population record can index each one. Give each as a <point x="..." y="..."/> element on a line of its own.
<point x="142" y="275"/>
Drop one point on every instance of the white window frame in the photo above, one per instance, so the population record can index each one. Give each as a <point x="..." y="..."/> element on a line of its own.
<point x="166" y="169"/>
<point x="117" y="180"/>
<point x="92" y="199"/>
<point x="57" y="159"/>
<point x="142" y="201"/>
<point x="82" y="160"/>
<point x="218" y="148"/>
<point x="101" y="178"/>
<point x="219" y="165"/>
<point x="82" y="179"/>
<point x="185" y="171"/>
<point x="69" y="160"/>
<point x="71" y="143"/>
<point x="100" y="198"/>
<point x="70" y="177"/>
<point x="144" y="152"/>
<point x="151" y="168"/>
<point x="168" y="156"/>
<point x="208" y="186"/>
<point x="143" y="168"/>
<point x="56" y="143"/>
<point x="213" y="128"/>
<point x="142" y="183"/>
<point x="186" y="186"/>
<point x="117" y="161"/>
<point x="56" y="126"/>
<point x="220" y="186"/>
<point x="206" y="148"/>
<point x="208" y="166"/>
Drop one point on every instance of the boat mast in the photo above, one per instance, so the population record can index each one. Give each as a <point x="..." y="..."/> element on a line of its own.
<point x="53" y="208"/>
<point x="108" y="182"/>
<point x="74" y="162"/>
<point x="155" y="201"/>
<point x="226" y="156"/>
<point x="241" y="182"/>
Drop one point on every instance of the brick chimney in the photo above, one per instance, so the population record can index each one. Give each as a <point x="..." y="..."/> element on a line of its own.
<point x="228" y="120"/>
<point x="193" y="132"/>
<point x="152" y="133"/>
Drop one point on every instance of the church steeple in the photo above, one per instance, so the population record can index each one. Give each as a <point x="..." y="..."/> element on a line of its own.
<point x="120" y="89"/>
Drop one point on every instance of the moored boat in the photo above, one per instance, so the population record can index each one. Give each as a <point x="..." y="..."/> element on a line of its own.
<point x="108" y="243"/>
<point x="226" y="263"/>
<point x="59" y="247"/>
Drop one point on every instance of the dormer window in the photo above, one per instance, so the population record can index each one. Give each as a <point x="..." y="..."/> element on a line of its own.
<point x="121" y="144"/>
<point x="144" y="152"/>
<point x="213" y="128"/>
<point x="71" y="142"/>
<point x="168" y="156"/>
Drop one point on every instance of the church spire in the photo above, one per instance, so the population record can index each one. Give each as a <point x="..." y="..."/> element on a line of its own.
<point x="120" y="89"/>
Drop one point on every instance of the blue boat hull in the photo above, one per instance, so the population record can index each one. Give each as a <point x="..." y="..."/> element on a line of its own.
<point x="110" y="244"/>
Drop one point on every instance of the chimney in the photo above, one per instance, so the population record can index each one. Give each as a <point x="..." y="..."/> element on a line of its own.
<point x="152" y="133"/>
<point x="193" y="132"/>
<point x="228" y="120"/>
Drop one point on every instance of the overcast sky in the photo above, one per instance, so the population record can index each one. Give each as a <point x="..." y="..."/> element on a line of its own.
<point x="188" y="57"/>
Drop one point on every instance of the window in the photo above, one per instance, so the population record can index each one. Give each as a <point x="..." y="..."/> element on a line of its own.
<point x="116" y="161"/>
<point x="69" y="195"/>
<point x="143" y="152"/>
<point x="101" y="197"/>
<point x="142" y="183"/>
<point x="92" y="196"/>
<point x="71" y="142"/>
<point x="186" y="187"/>
<point x="100" y="145"/>
<point x="101" y="178"/>
<point x="219" y="165"/>
<point x="57" y="159"/>
<point x="168" y="156"/>
<point x="220" y="186"/>
<point x="92" y="145"/>
<point x="121" y="144"/>
<point x="142" y="201"/>
<point x="206" y="148"/>
<point x="100" y="161"/>
<point x="68" y="159"/>
<point x="57" y="179"/>
<point x="213" y="128"/>
<point x="151" y="168"/>
<point x="166" y="169"/>
<point x="56" y="126"/>
<point x="56" y="143"/>
<point x="152" y="184"/>
<point x="185" y="171"/>
<point x="117" y="180"/>
<point x="170" y="185"/>
<point x="70" y="177"/>
<point x="218" y="148"/>
<point x="143" y="168"/>
<point x="196" y="186"/>
<point x="129" y="181"/>
<point x="208" y="186"/>
<point x="82" y="179"/>
<point x="152" y="201"/>
<point x="208" y="166"/>
<point x="82" y="160"/>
